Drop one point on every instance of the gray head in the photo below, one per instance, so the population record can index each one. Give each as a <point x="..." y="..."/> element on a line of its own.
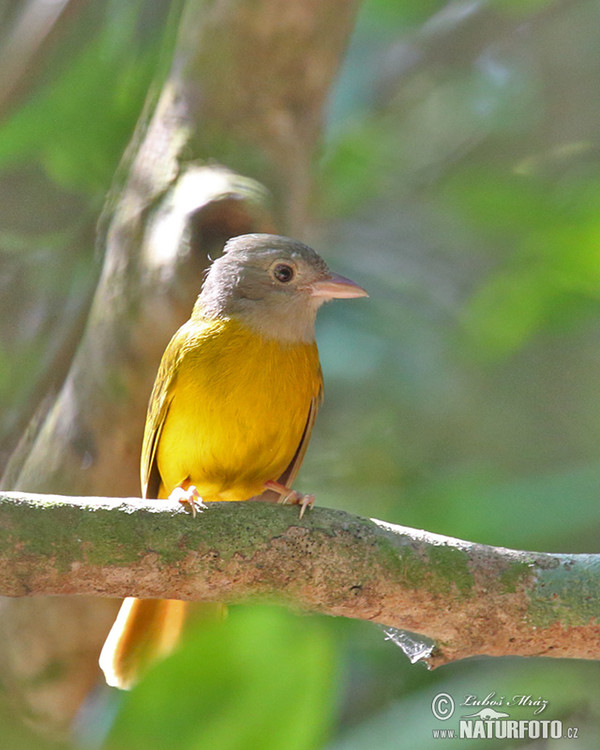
<point x="272" y="284"/>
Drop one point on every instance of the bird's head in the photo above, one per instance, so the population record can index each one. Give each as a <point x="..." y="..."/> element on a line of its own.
<point x="272" y="284"/>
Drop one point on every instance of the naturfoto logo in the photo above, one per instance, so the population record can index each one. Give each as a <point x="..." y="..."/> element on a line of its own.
<point x="492" y="718"/>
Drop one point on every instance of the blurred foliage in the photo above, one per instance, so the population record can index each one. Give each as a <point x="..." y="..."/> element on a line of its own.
<point x="59" y="150"/>
<point x="459" y="181"/>
<point x="261" y="678"/>
<point x="408" y="721"/>
<point x="108" y="78"/>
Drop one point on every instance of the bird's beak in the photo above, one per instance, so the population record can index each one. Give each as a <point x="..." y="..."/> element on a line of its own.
<point x="334" y="286"/>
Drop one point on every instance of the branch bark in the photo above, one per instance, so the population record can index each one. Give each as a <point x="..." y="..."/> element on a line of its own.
<point x="470" y="599"/>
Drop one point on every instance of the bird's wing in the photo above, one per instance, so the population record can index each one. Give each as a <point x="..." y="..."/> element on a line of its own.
<point x="291" y="471"/>
<point x="158" y="408"/>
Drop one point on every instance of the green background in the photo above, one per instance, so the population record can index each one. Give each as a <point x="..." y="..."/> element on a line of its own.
<point x="459" y="182"/>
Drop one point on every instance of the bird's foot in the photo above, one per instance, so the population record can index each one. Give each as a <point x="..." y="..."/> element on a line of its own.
<point x="188" y="496"/>
<point x="288" y="496"/>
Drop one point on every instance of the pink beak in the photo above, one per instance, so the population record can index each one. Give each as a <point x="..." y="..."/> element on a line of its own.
<point x="335" y="286"/>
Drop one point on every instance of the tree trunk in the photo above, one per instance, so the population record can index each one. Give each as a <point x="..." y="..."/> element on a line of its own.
<point x="246" y="90"/>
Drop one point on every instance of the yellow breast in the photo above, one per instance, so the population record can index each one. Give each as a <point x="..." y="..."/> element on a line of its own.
<point x="238" y="409"/>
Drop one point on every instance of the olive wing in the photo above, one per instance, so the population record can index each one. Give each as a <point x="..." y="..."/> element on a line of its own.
<point x="158" y="408"/>
<point x="290" y="473"/>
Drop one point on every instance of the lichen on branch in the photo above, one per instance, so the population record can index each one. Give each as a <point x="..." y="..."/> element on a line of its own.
<point x="470" y="599"/>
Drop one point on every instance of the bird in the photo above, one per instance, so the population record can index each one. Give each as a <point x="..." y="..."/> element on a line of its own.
<point x="232" y="409"/>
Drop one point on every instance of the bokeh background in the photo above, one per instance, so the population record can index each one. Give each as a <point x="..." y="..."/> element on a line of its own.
<point x="459" y="182"/>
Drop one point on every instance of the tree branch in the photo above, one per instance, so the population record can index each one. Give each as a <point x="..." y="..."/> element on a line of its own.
<point x="471" y="599"/>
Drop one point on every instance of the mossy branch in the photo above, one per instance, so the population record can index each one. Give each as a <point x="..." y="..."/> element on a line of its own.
<point x="468" y="598"/>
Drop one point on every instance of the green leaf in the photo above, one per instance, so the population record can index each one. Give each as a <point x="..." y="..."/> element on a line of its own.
<point x="78" y="124"/>
<point x="261" y="678"/>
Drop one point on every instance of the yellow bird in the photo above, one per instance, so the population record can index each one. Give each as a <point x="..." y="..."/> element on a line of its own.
<point x="232" y="408"/>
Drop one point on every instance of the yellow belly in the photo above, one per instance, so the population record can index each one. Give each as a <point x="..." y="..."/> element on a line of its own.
<point x="238" y="412"/>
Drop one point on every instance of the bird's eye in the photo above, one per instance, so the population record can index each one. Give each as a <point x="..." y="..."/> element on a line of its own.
<point x="283" y="272"/>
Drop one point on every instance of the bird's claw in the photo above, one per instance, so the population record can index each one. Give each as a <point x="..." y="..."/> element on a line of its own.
<point x="308" y="501"/>
<point x="297" y="498"/>
<point x="291" y="497"/>
<point x="188" y="496"/>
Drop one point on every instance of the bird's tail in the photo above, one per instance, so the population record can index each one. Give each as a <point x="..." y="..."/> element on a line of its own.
<point x="145" y="630"/>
